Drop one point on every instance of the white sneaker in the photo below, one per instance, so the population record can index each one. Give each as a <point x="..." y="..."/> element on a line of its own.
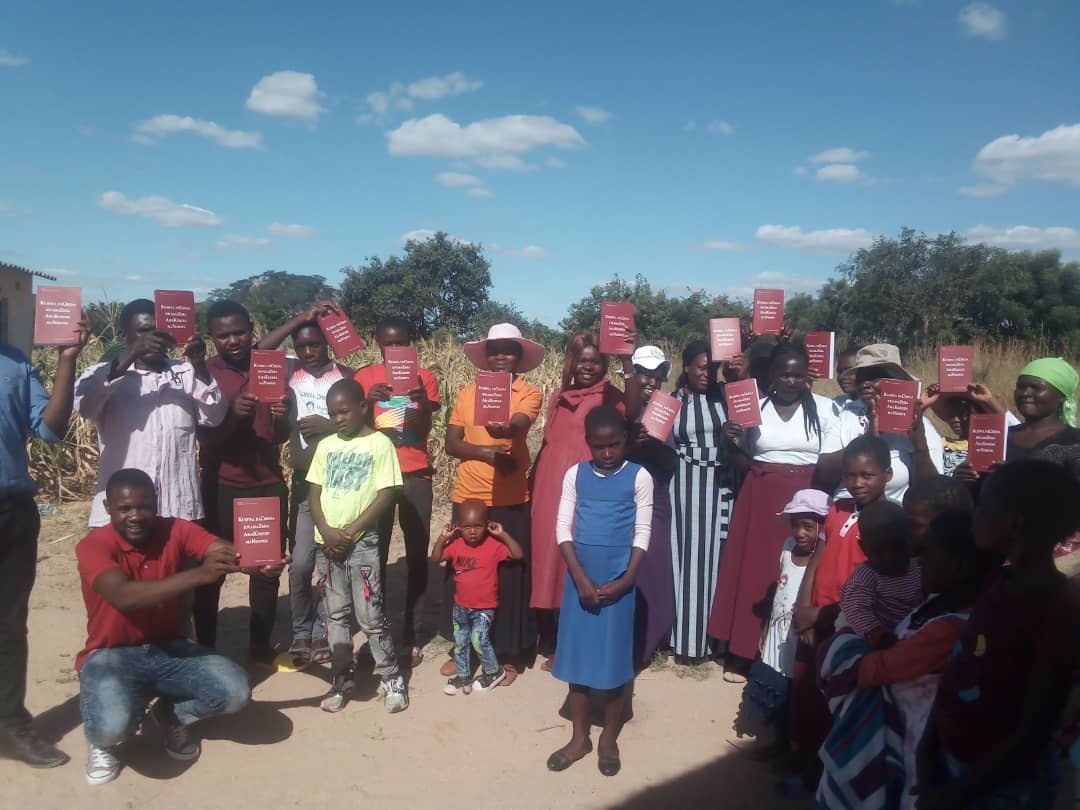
<point x="176" y="737"/>
<point x="486" y="683"/>
<point x="102" y="766"/>
<point x="340" y="692"/>
<point x="395" y="696"/>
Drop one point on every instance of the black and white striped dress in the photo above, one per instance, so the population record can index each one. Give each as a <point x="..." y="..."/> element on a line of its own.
<point x="701" y="500"/>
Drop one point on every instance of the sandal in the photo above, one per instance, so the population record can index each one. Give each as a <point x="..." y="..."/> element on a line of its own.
<point x="300" y="652"/>
<point x="320" y="651"/>
<point x="560" y="762"/>
<point x="609" y="766"/>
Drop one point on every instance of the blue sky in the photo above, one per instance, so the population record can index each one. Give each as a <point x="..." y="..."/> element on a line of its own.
<point x="721" y="146"/>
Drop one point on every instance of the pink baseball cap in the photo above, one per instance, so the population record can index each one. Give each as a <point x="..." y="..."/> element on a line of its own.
<point x="807" y="502"/>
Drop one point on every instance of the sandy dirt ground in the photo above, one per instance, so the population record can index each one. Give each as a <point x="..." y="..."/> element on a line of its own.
<point x="476" y="751"/>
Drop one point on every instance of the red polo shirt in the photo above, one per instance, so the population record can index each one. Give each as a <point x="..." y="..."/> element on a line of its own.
<point x="103" y="550"/>
<point x="247" y="457"/>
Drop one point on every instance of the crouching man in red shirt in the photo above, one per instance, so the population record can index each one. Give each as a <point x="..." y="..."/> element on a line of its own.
<point x="132" y="577"/>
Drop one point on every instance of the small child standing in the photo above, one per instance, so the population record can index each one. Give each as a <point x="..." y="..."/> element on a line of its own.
<point x="473" y="549"/>
<point x="988" y="742"/>
<point x="354" y="477"/>
<point x="766" y="692"/>
<point x="603" y="529"/>
<point x="888" y="586"/>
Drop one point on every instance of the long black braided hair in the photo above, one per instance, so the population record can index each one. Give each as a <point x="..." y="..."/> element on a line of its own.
<point x="780" y="354"/>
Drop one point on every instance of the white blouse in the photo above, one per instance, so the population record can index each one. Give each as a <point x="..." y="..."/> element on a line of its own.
<point x="643" y="498"/>
<point x="785" y="442"/>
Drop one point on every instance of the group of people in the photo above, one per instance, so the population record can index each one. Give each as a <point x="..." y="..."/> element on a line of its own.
<point x="897" y="618"/>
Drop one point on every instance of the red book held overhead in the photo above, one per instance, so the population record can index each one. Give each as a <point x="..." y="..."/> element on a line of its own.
<point x="402" y="369"/>
<point x="57" y="311"/>
<point x="257" y="531"/>
<point x="266" y="377"/>
<point x="174" y="312"/>
<point x="660" y="415"/>
<point x="955" y="368"/>
<point x="492" y="398"/>
<point x="725" y="339"/>
<point x="897" y="403"/>
<point x="340" y="334"/>
<point x="768" y="312"/>
<point x="987" y="433"/>
<point x="616" y="324"/>
<point x="744" y="404"/>
<point x="821" y="349"/>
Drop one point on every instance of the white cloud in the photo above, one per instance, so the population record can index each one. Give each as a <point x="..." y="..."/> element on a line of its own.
<point x="555" y="162"/>
<point x="786" y="282"/>
<point x="9" y="59"/>
<point x="436" y="87"/>
<point x="423" y="235"/>
<point x="1053" y="157"/>
<point x="721" y="127"/>
<point x="839" y="173"/>
<point x="841" y="154"/>
<point x="834" y="241"/>
<point x="593" y="115"/>
<point x="455" y="179"/>
<point x="480" y="192"/>
<point x="719" y="244"/>
<point x="160" y="209"/>
<point x="800" y="171"/>
<point x="134" y="277"/>
<point x="291" y="231"/>
<point x="235" y="243"/>
<point x="528" y="252"/>
<point x="161" y="126"/>
<point x="508" y="162"/>
<point x="59" y="272"/>
<point x="981" y="190"/>
<point x="690" y="126"/>
<point x="493" y="142"/>
<point x="382" y="102"/>
<point x="1024" y="237"/>
<point x="288" y="94"/>
<point x="984" y="21"/>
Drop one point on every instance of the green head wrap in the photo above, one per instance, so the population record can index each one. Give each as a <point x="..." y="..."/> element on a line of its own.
<point x="1060" y="375"/>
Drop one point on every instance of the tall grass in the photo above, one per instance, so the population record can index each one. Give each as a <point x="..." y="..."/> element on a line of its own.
<point x="68" y="471"/>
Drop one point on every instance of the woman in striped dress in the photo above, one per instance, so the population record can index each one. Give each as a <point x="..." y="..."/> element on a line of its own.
<point x="701" y="500"/>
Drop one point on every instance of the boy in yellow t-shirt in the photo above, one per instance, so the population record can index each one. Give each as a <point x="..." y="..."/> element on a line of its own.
<point x="354" y="477"/>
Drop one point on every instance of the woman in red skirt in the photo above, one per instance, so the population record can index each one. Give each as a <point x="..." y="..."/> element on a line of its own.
<point x="797" y="427"/>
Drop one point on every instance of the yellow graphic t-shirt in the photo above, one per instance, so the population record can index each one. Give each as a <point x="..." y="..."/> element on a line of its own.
<point x="351" y="472"/>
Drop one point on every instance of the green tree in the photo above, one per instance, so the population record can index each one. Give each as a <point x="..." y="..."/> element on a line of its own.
<point x="272" y="297"/>
<point x="438" y="283"/>
<point x="492" y="312"/>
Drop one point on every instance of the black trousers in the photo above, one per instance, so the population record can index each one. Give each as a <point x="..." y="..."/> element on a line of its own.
<point x="413" y="507"/>
<point x="262" y="590"/>
<point x="19" y="525"/>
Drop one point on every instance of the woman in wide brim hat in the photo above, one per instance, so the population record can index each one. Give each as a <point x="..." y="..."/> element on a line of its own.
<point x="915" y="455"/>
<point x="494" y="464"/>
<point x="505" y="335"/>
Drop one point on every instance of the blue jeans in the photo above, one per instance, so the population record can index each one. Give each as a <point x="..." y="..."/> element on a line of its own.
<point x="118" y="683"/>
<point x="472" y="626"/>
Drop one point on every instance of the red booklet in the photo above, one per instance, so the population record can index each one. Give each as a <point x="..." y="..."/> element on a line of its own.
<point x="257" y="531"/>
<point x="768" y="312"/>
<point x="987" y="433"/>
<point x="174" y="312"/>
<point x="725" y="338"/>
<point x="897" y="403"/>
<point x="821" y="349"/>
<point x="955" y="368"/>
<point x="402" y="369"/>
<point x="616" y="324"/>
<point x="492" y="398"/>
<point x="266" y="377"/>
<point x="57" y="311"/>
<point x="744" y="404"/>
<point x="660" y="415"/>
<point x="340" y="334"/>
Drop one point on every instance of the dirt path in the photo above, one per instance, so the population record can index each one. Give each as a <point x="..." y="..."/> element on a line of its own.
<point x="479" y="751"/>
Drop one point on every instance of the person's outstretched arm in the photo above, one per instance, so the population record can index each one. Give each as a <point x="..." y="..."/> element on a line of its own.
<point x="275" y="337"/>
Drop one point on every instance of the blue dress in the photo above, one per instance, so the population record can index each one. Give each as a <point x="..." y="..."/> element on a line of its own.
<point x="596" y="647"/>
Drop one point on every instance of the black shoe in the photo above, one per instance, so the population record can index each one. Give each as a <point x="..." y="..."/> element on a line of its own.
<point x="24" y="745"/>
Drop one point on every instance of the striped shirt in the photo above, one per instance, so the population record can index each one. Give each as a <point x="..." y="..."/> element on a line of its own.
<point x="873" y="604"/>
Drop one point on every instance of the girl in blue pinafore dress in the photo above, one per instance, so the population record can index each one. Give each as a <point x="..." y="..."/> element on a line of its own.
<point x="603" y="530"/>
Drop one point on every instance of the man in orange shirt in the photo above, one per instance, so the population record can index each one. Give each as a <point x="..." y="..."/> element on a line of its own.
<point x="410" y="436"/>
<point x="494" y="469"/>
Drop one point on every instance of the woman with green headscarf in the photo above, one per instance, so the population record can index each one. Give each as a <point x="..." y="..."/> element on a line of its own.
<point x="1046" y="400"/>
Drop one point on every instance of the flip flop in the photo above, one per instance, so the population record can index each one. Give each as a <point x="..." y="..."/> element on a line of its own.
<point x="560" y="762"/>
<point x="320" y="652"/>
<point x="609" y="766"/>
<point x="416" y="658"/>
